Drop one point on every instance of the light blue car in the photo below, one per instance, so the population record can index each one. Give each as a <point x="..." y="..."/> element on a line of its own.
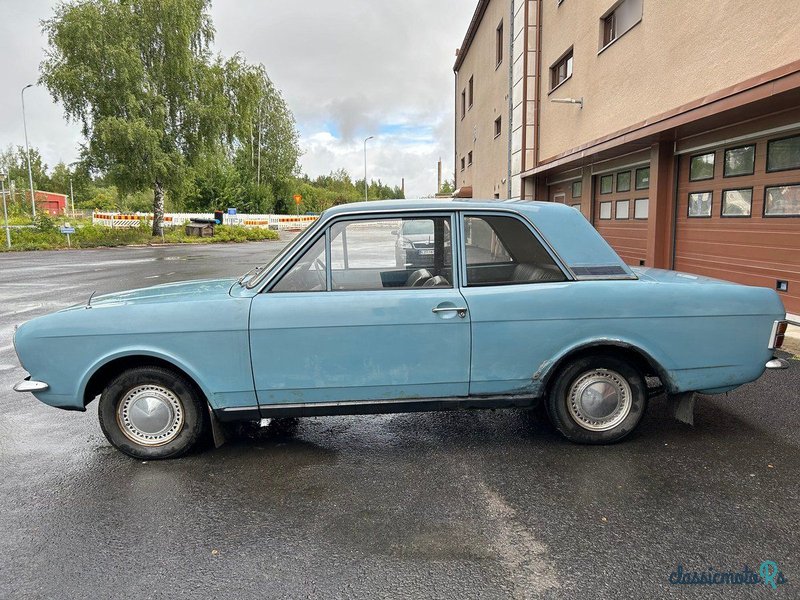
<point x="519" y="302"/>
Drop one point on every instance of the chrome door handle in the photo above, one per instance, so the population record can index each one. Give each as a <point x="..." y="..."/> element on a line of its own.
<point x="461" y="310"/>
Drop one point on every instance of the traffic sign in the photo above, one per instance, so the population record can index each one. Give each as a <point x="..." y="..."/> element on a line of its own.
<point x="67" y="230"/>
<point x="298" y="198"/>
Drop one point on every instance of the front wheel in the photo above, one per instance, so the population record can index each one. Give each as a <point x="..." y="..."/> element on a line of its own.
<point x="597" y="400"/>
<point x="152" y="413"/>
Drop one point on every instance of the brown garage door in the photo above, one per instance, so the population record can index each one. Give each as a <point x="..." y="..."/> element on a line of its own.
<point x="621" y="207"/>
<point x="738" y="215"/>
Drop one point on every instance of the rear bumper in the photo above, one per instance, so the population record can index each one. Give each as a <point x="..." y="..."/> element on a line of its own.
<point x="27" y="385"/>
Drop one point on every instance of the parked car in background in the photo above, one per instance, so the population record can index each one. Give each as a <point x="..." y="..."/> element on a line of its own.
<point x="516" y="303"/>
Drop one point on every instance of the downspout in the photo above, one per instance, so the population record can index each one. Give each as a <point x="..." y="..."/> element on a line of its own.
<point x="510" y="127"/>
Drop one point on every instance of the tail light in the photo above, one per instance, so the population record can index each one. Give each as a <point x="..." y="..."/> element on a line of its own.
<point x="778" y="333"/>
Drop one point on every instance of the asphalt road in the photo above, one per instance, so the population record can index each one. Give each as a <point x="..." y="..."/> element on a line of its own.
<point x="438" y="505"/>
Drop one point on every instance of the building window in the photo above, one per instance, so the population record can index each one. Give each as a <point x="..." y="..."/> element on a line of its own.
<point x="463" y="103"/>
<point x="561" y="71"/>
<point x="784" y="154"/>
<point x="624" y="181"/>
<point x="469" y="158"/>
<point x="577" y="189"/>
<point x="576" y="207"/>
<point x="617" y="22"/>
<point x="739" y="161"/>
<point x="609" y="28"/>
<point x="702" y="167"/>
<point x="499" y="45"/>
<point x="737" y="203"/>
<point x="700" y="204"/>
<point x="462" y="163"/>
<point x="606" y="184"/>
<point x="471" y="92"/>
<point x="643" y="178"/>
<point x="605" y="211"/>
<point x="498" y="126"/>
<point x="782" y="201"/>
<point x="623" y="209"/>
<point x="641" y="208"/>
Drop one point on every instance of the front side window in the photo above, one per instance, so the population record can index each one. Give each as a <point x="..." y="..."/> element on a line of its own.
<point x="308" y="274"/>
<point x="379" y="254"/>
<point x="739" y="161"/>
<point x="701" y="167"/>
<point x="502" y="250"/>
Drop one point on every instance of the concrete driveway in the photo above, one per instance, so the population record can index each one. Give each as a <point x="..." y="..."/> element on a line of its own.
<point x="438" y="505"/>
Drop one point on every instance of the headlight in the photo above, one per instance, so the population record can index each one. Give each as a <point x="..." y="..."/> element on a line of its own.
<point x="406" y="245"/>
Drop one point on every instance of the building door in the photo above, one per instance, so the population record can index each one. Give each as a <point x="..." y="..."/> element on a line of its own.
<point x="738" y="214"/>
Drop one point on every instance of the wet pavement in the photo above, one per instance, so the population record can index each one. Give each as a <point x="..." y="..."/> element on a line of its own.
<point x="459" y="505"/>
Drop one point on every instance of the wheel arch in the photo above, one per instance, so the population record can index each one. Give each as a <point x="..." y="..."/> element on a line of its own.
<point x="643" y="360"/>
<point x="105" y="371"/>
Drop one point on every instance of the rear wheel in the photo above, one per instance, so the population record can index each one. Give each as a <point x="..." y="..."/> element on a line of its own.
<point x="597" y="399"/>
<point x="152" y="413"/>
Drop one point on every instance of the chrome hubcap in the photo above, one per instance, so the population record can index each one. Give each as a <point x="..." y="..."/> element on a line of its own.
<point x="150" y="415"/>
<point x="599" y="400"/>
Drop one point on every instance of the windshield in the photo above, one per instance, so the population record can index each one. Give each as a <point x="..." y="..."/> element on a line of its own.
<point x="418" y="227"/>
<point x="253" y="277"/>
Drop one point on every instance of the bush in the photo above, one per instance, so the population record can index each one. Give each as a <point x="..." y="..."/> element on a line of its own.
<point x="47" y="236"/>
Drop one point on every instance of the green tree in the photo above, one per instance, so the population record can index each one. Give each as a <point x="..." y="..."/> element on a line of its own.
<point x="138" y="77"/>
<point x="448" y="187"/>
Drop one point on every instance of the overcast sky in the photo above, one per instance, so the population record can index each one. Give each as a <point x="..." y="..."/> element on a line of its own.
<point x="347" y="68"/>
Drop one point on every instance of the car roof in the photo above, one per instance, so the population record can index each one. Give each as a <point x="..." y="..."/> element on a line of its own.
<point x="443" y="204"/>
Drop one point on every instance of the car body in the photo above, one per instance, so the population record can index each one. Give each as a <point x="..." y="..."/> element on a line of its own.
<point x="521" y="301"/>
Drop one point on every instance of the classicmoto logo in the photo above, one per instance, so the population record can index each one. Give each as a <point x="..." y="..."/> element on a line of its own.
<point x="767" y="574"/>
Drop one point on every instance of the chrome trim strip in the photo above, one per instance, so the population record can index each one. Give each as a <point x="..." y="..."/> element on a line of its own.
<point x="364" y="402"/>
<point x="27" y="385"/>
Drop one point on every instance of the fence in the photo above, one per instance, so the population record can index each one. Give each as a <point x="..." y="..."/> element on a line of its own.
<point x="280" y="222"/>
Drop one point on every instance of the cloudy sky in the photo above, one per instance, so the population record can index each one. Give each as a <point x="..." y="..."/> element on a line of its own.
<point x="347" y="68"/>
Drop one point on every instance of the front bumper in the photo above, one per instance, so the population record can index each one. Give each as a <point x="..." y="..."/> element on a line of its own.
<point x="26" y="385"/>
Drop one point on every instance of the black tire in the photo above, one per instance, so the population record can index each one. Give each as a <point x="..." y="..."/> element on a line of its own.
<point x="566" y="415"/>
<point x="182" y="399"/>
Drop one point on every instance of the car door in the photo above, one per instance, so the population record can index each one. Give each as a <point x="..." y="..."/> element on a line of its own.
<point x="347" y="323"/>
<point x="516" y="293"/>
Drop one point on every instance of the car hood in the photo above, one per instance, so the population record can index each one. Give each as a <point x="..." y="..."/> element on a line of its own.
<point x="168" y="292"/>
<point x="665" y="276"/>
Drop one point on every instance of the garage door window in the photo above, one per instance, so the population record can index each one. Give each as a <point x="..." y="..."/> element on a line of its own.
<point x="740" y="161"/>
<point x="784" y="154"/>
<point x="643" y="178"/>
<point x="641" y="208"/>
<point x="737" y="203"/>
<point x="605" y="211"/>
<point x="782" y="201"/>
<point x="700" y="204"/>
<point x="606" y="184"/>
<point x="624" y="181"/>
<point x="702" y="167"/>
<point x="623" y="209"/>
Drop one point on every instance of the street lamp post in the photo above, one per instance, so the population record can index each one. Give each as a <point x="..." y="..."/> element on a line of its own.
<point x="27" y="148"/>
<point x="365" y="165"/>
<point x="5" y="208"/>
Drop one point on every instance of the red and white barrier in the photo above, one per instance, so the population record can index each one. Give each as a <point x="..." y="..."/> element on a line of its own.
<point x="279" y="222"/>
